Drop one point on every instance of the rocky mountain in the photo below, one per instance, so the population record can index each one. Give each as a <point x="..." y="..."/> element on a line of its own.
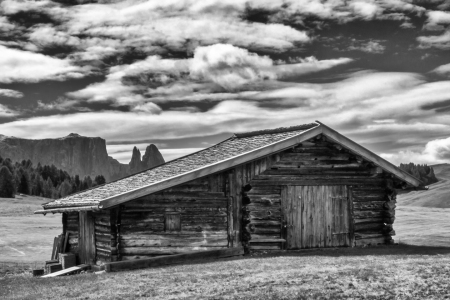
<point x="78" y="155"/>
<point x="151" y="158"/>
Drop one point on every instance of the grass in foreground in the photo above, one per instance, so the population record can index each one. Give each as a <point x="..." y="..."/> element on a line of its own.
<point x="392" y="272"/>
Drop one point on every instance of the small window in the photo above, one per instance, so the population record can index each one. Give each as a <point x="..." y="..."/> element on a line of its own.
<point x="173" y="222"/>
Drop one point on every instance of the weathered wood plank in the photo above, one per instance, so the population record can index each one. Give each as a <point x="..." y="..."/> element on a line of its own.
<point x="317" y="164"/>
<point x="153" y="205"/>
<point x="333" y="181"/>
<point x="130" y="220"/>
<point x="265" y="247"/>
<point x="371" y="241"/>
<point x="267" y="240"/>
<point x="303" y="157"/>
<point x="67" y="271"/>
<point x="168" y="235"/>
<point x="173" y="259"/>
<point x="176" y="242"/>
<point x="164" y="250"/>
<point x="317" y="171"/>
<point x="364" y="214"/>
<point x="372" y="205"/>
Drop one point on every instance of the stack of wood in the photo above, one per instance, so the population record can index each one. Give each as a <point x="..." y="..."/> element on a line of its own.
<point x="59" y="246"/>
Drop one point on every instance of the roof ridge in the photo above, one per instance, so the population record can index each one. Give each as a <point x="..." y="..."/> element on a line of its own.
<point x="276" y="130"/>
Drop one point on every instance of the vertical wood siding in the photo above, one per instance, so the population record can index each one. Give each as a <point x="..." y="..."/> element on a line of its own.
<point x="105" y="242"/>
<point x="87" y="246"/>
<point x="72" y="223"/>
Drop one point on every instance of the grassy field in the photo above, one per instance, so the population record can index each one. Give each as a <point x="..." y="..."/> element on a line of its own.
<point x="425" y="226"/>
<point x="26" y="237"/>
<point x="394" y="272"/>
<point x="385" y="272"/>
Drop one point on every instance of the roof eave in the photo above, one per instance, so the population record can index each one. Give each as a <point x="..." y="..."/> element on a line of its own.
<point x="68" y="209"/>
<point x="369" y="155"/>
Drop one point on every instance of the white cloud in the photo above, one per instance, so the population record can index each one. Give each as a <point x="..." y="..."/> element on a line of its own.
<point x="148" y="107"/>
<point x="5" y="25"/>
<point x="435" y="152"/>
<point x="6" y="112"/>
<point x="179" y="26"/>
<point x="435" y="41"/>
<point x="389" y="111"/>
<point x="308" y="65"/>
<point x="45" y="35"/>
<point x="228" y="66"/>
<point x="114" y="89"/>
<point x="442" y="70"/>
<point x="369" y="47"/>
<point x="436" y="19"/>
<point x="23" y="66"/>
<point x="11" y="6"/>
<point x="440" y="149"/>
<point x="10" y="93"/>
<point x="204" y="77"/>
<point x="366" y="9"/>
<point x="62" y="104"/>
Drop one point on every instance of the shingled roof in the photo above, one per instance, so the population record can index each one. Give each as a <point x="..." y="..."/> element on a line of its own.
<point x="222" y="151"/>
<point x="236" y="150"/>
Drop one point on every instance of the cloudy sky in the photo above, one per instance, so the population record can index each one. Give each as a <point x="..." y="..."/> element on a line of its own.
<point x="187" y="74"/>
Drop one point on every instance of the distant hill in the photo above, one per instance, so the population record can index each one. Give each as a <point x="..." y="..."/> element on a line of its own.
<point x="424" y="173"/>
<point x="438" y="194"/>
<point x="77" y="155"/>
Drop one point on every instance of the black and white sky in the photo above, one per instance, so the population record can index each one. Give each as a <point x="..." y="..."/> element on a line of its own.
<point x="186" y="74"/>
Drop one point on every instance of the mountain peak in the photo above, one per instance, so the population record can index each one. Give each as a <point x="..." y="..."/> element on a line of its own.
<point x="74" y="135"/>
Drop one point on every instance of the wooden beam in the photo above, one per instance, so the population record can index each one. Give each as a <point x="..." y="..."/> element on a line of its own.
<point x="214" y="168"/>
<point x="67" y="271"/>
<point x="67" y="209"/>
<point x="172" y="259"/>
<point x="368" y="155"/>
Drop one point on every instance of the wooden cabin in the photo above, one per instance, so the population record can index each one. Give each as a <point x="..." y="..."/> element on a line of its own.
<point x="300" y="187"/>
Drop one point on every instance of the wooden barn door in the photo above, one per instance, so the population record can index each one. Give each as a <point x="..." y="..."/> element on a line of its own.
<point x="86" y="236"/>
<point x="316" y="216"/>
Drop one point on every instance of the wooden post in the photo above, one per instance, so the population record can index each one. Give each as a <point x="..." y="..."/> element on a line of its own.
<point x="230" y="222"/>
<point x="351" y="216"/>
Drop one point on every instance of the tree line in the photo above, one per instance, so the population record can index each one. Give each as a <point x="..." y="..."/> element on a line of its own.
<point x="45" y="181"/>
<point x="423" y="172"/>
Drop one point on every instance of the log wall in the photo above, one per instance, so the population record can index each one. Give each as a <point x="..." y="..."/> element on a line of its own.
<point x="316" y="163"/>
<point x="209" y="210"/>
<point x="178" y="220"/>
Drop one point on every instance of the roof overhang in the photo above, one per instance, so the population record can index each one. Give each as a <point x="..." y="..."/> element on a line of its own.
<point x="369" y="155"/>
<point x="67" y="209"/>
<point x="244" y="158"/>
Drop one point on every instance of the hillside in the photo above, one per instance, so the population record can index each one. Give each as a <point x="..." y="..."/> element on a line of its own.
<point x="438" y="194"/>
<point x="77" y="155"/>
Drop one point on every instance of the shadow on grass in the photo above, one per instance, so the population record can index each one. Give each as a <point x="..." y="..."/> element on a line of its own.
<point x="399" y="249"/>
